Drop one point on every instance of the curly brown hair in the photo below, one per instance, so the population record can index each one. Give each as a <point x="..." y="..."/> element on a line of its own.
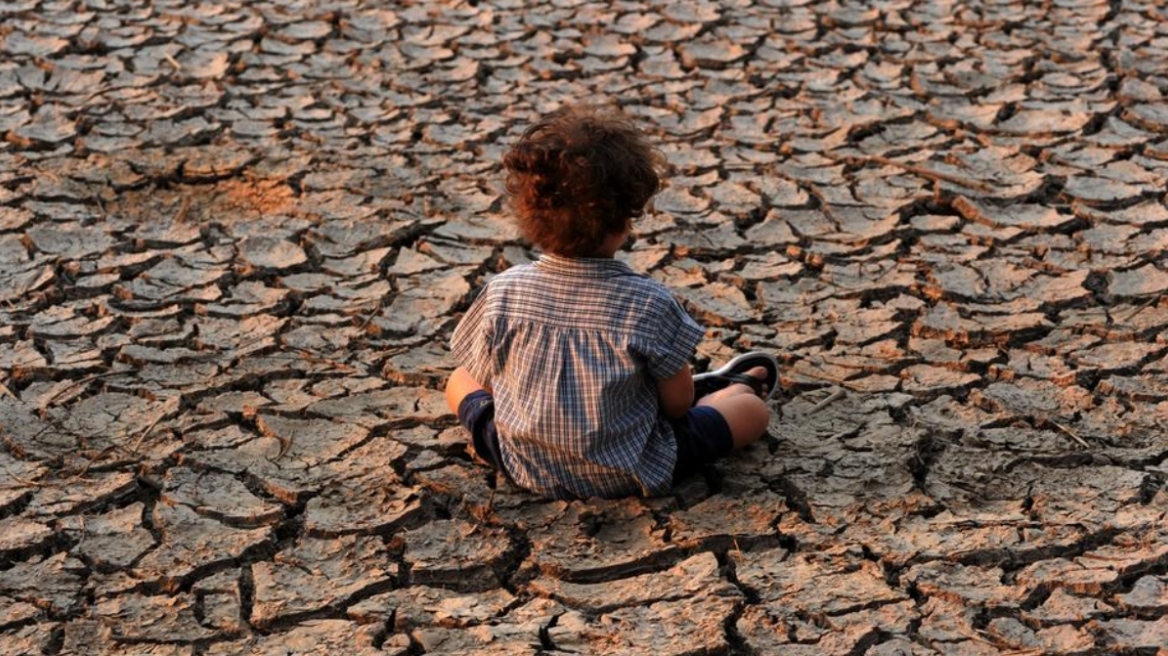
<point x="578" y="175"/>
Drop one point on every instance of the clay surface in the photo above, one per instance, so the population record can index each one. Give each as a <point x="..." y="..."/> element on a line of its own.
<point x="235" y="238"/>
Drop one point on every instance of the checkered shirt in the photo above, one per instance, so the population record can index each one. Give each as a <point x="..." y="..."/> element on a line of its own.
<point x="572" y="349"/>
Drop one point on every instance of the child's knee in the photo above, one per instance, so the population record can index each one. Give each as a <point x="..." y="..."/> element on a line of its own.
<point x="748" y="419"/>
<point x="760" y="416"/>
<point x="454" y="395"/>
<point x="459" y="386"/>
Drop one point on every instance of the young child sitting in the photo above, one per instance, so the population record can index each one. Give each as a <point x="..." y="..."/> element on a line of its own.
<point x="575" y="378"/>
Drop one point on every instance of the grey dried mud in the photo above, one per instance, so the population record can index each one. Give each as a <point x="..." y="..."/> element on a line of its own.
<point x="235" y="238"/>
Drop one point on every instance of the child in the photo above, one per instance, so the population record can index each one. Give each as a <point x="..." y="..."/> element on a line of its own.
<point x="575" y="377"/>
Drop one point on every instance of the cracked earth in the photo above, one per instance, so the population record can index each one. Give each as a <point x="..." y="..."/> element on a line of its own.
<point x="235" y="238"/>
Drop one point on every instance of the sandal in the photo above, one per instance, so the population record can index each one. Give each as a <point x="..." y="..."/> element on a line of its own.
<point x="735" y="372"/>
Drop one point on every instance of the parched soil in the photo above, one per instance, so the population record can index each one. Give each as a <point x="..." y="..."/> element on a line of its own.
<point x="235" y="238"/>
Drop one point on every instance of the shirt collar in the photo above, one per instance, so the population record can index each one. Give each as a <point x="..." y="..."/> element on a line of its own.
<point x="584" y="267"/>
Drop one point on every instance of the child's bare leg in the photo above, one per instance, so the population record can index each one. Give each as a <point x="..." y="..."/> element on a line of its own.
<point x="459" y="386"/>
<point x="746" y="414"/>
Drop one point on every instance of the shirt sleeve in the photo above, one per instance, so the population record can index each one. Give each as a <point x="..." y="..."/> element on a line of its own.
<point x="677" y="337"/>
<point x="471" y="344"/>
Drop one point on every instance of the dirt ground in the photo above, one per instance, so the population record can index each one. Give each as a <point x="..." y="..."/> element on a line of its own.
<point x="235" y="238"/>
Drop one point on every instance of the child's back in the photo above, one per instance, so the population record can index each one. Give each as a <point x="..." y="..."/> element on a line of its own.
<point x="572" y="348"/>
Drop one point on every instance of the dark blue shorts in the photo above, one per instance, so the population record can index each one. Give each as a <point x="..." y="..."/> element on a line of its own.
<point x="476" y="413"/>
<point x="703" y="435"/>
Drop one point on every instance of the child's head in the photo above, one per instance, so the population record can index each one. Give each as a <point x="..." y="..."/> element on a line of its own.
<point x="578" y="176"/>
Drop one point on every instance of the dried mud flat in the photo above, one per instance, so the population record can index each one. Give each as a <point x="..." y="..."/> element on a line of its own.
<point x="234" y="239"/>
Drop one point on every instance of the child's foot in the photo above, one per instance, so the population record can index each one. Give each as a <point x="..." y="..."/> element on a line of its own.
<point x="753" y="381"/>
<point x="762" y="388"/>
<point x="756" y="372"/>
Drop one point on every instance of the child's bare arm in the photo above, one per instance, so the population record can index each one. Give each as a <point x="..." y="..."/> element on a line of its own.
<point x="676" y="393"/>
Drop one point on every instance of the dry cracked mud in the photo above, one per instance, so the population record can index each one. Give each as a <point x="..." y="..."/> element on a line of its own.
<point x="235" y="238"/>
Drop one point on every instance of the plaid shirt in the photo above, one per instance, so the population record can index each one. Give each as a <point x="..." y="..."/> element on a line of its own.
<point x="572" y="349"/>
